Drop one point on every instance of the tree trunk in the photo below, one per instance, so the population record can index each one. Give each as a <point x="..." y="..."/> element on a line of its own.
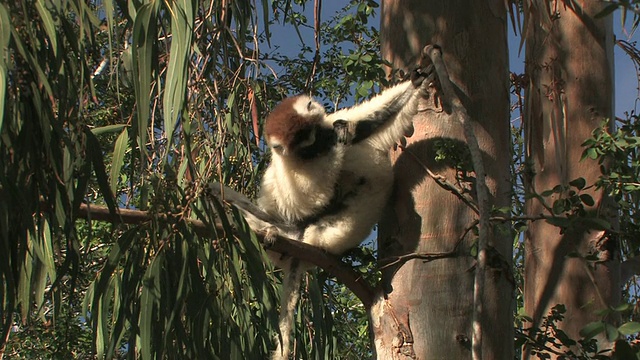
<point x="425" y="307"/>
<point x="569" y="59"/>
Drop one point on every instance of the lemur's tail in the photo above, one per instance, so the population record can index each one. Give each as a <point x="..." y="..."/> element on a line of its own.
<point x="289" y="300"/>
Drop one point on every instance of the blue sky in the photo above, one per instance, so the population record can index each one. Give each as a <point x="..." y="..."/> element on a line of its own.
<point x="626" y="79"/>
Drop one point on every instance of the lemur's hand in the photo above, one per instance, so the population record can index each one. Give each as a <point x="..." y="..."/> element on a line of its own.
<point x="421" y="74"/>
<point x="424" y="70"/>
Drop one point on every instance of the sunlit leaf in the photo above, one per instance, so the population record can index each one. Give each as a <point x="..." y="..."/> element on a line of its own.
<point x="118" y="160"/>
<point x="629" y="328"/>
<point x="107" y="129"/>
<point x="611" y="332"/>
<point x="49" y="25"/>
<point x="143" y="44"/>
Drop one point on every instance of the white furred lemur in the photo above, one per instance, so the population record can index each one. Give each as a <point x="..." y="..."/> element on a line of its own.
<point x="329" y="178"/>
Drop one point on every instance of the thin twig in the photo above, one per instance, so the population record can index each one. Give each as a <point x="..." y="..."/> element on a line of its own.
<point x="423" y="256"/>
<point x="430" y="256"/>
<point x="427" y="256"/>
<point x="443" y="182"/>
<point x="317" y="10"/>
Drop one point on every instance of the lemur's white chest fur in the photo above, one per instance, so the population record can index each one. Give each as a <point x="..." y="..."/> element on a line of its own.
<point x="294" y="190"/>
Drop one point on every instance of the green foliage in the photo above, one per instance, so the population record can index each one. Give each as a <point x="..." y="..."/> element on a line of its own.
<point x="44" y="163"/>
<point x="548" y="339"/>
<point x="57" y="327"/>
<point x="346" y="64"/>
<point x="571" y="207"/>
<point x="139" y="105"/>
<point x="350" y="318"/>
<point x="617" y="152"/>
<point x="455" y="154"/>
<point x="68" y="339"/>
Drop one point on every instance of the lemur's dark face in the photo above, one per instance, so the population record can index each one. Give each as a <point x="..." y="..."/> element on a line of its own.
<point x="295" y="129"/>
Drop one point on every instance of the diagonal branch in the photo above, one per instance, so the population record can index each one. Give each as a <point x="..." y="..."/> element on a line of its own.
<point x="343" y="272"/>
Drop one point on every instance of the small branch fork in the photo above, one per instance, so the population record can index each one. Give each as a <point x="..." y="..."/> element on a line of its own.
<point x="426" y="257"/>
<point x="484" y="206"/>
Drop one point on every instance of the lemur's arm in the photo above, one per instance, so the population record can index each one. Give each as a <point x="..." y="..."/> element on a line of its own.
<point x="387" y="117"/>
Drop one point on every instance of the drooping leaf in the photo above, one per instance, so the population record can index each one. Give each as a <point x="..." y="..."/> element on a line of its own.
<point x="49" y="25"/>
<point x="5" y="37"/>
<point x="94" y="155"/>
<point x="118" y="160"/>
<point x="107" y="129"/>
<point x="143" y="44"/>
<point x="182" y="17"/>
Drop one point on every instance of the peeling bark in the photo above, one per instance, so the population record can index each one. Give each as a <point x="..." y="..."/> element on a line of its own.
<point x="569" y="59"/>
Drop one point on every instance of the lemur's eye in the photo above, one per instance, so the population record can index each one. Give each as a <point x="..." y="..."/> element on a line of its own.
<point x="309" y="138"/>
<point x="310" y="105"/>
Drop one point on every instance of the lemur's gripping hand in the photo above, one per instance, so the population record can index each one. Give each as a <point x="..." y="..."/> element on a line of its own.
<point x="421" y="74"/>
<point x="423" y="70"/>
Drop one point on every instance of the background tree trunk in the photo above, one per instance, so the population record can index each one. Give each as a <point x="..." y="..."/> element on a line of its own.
<point x="424" y="310"/>
<point x="569" y="59"/>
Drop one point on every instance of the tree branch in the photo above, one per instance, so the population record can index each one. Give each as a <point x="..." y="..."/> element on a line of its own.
<point x="343" y="272"/>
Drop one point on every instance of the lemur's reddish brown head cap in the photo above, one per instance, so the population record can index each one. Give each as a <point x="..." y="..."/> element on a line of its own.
<point x="290" y="117"/>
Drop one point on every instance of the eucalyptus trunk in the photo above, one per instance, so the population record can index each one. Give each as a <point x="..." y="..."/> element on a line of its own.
<point x="569" y="61"/>
<point x="425" y="306"/>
